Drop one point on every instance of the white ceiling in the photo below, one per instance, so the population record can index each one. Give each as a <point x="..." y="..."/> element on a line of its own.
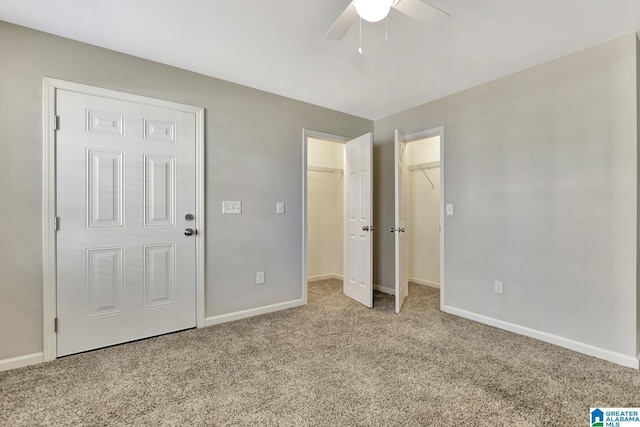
<point x="279" y="46"/>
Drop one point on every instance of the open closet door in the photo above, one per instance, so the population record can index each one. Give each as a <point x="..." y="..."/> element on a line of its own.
<point x="402" y="287"/>
<point x="358" y="220"/>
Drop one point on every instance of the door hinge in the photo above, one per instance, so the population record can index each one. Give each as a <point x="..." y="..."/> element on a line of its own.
<point x="56" y="223"/>
<point x="56" y="122"/>
<point x="55" y="325"/>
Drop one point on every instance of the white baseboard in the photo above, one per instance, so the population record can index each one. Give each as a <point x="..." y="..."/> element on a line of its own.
<point x="588" y="349"/>
<point x="20" y="361"/>
<point x="384" y="289"/>
<point x="425" y="283"/>
<point x="242" y="314"/>
<point x="324" y="277"/>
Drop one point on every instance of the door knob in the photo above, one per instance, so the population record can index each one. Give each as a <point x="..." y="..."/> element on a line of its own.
<point x="372" y="228"/>
<point x="189" y="231"/>
<point x="393" y="229"/>
<point x="401" y="230"/>
<point x="365" y="228"/>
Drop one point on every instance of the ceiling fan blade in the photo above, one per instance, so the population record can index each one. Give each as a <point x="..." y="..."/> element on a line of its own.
<point x="344" y="22"/>
<point x="423" y="12"/>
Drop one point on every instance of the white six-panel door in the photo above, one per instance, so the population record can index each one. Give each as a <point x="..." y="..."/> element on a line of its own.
<point x="358" y="243"/>
<point x="125" y="181"/>
<point x="401" y="190"/>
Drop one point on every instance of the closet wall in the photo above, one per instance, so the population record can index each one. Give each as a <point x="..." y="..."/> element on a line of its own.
<point x="424" y="213"/>
<point x="325" y="199"/>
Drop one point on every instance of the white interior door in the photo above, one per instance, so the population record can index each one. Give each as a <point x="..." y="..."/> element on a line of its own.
<point x="402" y="286"/>
<point x="358" y="239"/>
<point x="125" y="181"/>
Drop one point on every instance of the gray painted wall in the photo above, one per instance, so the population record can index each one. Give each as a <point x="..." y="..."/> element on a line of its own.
<point x="541" y="167"/>
<point x="253" y="154"/>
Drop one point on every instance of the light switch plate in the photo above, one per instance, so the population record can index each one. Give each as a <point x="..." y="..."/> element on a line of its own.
<point x="231" y="207"/>
<point x="449" y="209"/>
<point x="279" y="207"/>
<point x="260" y="278"/>
<point x="497" y="287"/>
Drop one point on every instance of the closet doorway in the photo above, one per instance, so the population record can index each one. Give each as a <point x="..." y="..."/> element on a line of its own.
<point x="338" y="213"/>
<point x="325" y="209"/>
<point x="419" y="208"/>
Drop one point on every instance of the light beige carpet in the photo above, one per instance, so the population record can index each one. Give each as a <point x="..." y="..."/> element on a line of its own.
<point x="331" y="363"/>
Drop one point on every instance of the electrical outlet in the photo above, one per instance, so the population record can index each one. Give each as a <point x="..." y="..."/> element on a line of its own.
<point x="231" y="207"/>
<point x="279" y="207"/>
<point x="260" y="278"/>
<point x="497" y="287"/>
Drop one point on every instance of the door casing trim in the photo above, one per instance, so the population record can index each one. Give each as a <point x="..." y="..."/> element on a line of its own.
<point x="49" y="256"/>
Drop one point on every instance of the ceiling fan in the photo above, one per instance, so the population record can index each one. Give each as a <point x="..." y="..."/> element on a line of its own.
<point x="377" y="10"/>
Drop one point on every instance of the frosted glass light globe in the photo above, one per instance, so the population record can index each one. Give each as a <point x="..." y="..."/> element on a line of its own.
<point x="372" y="10"/>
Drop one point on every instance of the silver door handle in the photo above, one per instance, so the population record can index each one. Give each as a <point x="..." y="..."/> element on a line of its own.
<point x="372" y="228"/>
<point x="401" y="230"/>
<point x="393" y="230"/>
<point x="189" y="231"/>
<point x="365" y="228"/>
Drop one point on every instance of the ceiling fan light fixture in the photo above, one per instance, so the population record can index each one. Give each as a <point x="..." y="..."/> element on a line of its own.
<point x="372" y="10"/>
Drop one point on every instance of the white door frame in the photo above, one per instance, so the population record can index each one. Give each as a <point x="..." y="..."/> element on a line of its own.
<point x="438" y="131"/>
<point x="49" y="308"/>
<point x="306" y="134"/>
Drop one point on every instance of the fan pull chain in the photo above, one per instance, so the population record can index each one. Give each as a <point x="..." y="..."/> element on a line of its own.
<point x="360" y="46"/>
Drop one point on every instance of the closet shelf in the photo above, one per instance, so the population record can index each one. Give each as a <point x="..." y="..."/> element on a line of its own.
<point x="323" y="169"/>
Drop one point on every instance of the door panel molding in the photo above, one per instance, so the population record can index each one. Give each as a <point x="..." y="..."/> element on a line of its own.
<point x="358" y="220"/>
<point x="400" y="241"/>
<point x="49" y="221"/>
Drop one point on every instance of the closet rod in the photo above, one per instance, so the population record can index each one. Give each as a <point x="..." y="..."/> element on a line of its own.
<point x="323" y="169"/>
<point x="422" y="166"/>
